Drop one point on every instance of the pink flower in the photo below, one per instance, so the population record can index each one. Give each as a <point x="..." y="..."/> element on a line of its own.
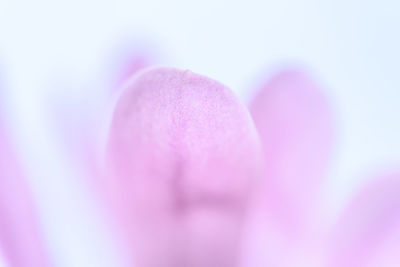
<point x="21" y="240"/>
<point x="194" y="178"/>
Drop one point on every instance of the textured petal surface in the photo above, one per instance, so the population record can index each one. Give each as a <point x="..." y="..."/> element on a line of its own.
<point x="20" y="238"/>
<point x="294" y="121"/>
<point x="368" y="232"/>
<point x="185" y="157"/>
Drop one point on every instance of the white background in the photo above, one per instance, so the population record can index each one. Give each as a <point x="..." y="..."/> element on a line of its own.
<point x="55" y="53"/>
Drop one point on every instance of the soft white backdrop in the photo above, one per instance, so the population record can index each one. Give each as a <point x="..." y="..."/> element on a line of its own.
<point x="66" y="49"/>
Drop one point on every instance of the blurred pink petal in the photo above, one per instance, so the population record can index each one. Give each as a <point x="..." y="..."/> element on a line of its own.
<point x="20" y="238"/>
<point x="369" y="226"/>
<point x="131" y="56"/>
<point x="131" y="65"/>
<point x="294" y="121"/>
<point x="184" y="158"/>
<point x="78" y="121"/>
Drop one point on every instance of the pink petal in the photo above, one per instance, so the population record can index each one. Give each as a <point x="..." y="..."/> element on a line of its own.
<point x="130" y="57"/>
<point x="20" y="238"/>
<point x="185" y="157"/>
<point x="387" y="255"/>
<point x="134" y="64"/>
<point x="294" y="121"/>
<point x="368" y="226"/>
<point x="78" y="121"/>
